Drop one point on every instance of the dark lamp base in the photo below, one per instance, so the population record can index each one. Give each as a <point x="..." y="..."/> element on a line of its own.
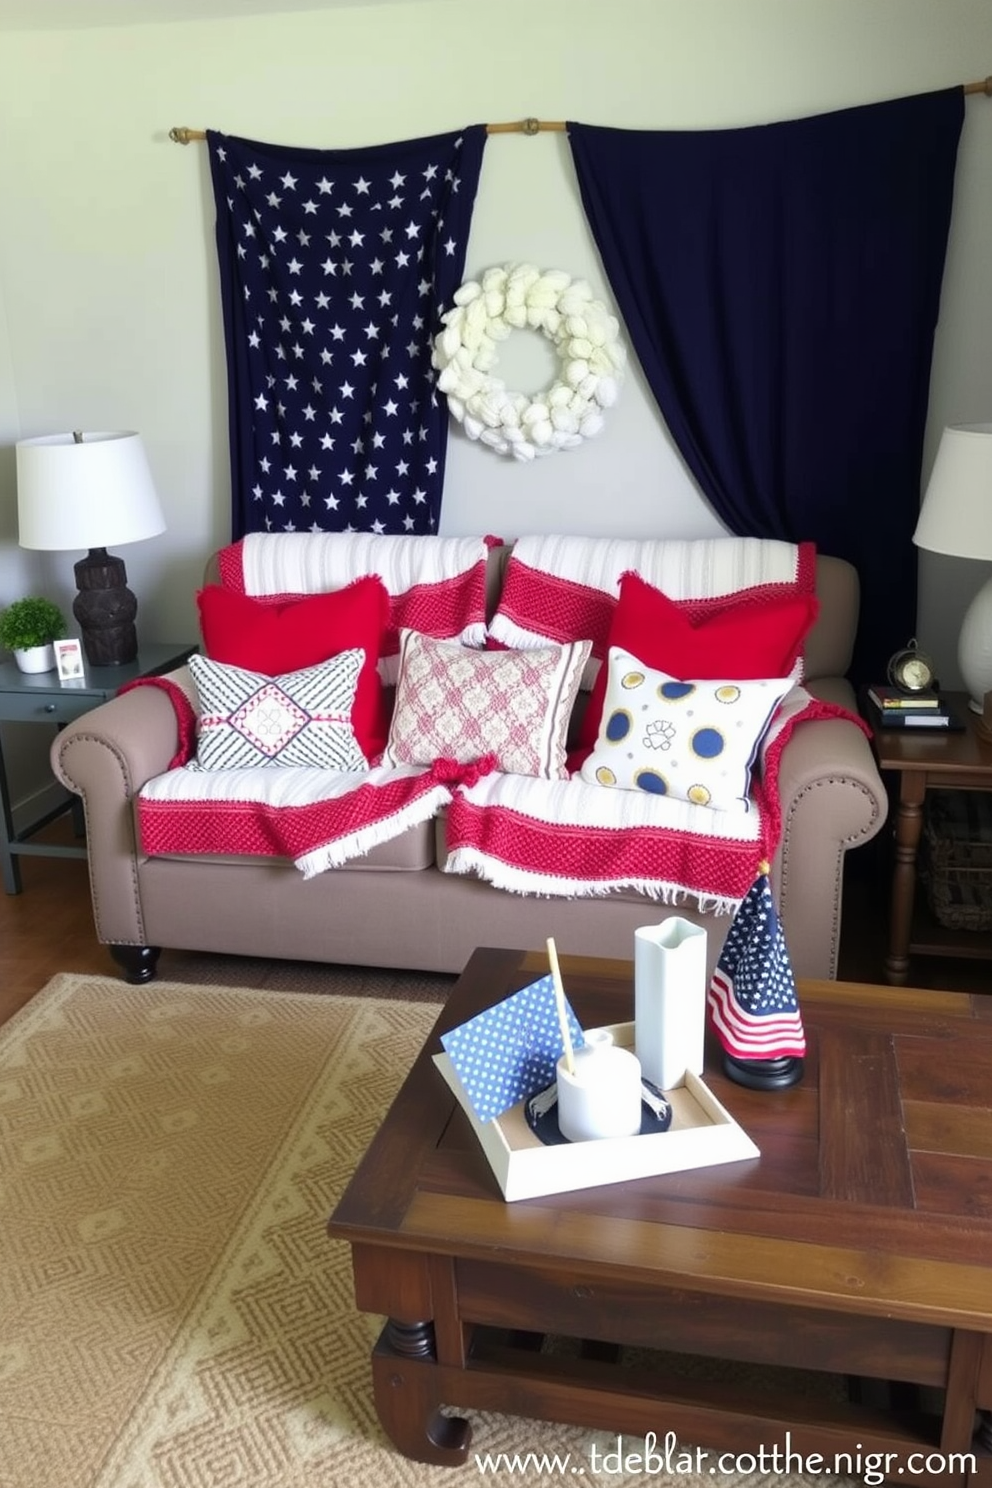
<point x="105" y="609"/>
<point x="764" y="1074"/>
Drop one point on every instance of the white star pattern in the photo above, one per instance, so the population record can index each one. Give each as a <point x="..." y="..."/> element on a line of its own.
<point x="294" y="228"/>
<point x="509" y="1052"/>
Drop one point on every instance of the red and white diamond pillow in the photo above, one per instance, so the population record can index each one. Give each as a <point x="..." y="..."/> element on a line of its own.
<point x="248" y="719"/>
<point x="453" y="702"/>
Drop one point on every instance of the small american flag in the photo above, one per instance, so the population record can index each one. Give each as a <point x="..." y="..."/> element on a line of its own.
<point x="752" y="995"/>
<point x="335" y="267"/>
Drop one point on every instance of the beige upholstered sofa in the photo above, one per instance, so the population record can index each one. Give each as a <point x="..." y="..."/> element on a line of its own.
<point x="396" y="907"/>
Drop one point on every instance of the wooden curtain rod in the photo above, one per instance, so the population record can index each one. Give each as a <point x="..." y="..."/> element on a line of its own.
<point x="183" y="136"/>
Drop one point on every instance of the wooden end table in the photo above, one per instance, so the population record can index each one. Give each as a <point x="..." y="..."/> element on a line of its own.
<point x="39" y="697"/>
<point x="859" y="1243"/>
<point x="923" y="760"/>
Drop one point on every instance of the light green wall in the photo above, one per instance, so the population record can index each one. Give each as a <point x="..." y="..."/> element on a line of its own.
<point x="107" y="276"/>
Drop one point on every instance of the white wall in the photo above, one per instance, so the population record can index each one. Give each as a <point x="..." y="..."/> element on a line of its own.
<point x="109" y="310"/>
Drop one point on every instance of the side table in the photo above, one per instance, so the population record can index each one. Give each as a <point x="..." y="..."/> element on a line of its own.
<point x="39" y="697"/>
<point x="927" y="759"/>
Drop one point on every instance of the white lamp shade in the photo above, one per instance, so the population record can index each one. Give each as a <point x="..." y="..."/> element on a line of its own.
<point x="95" y="492"/>
<point x="956" y="515"/>
<point x="956" y="518"/>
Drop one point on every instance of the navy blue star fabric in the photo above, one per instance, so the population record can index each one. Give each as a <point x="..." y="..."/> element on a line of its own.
<point x="335" y="268"/>
<point x="752" y="995"/>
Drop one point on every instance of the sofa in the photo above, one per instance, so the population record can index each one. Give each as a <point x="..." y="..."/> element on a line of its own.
<point x="411" y="900"/>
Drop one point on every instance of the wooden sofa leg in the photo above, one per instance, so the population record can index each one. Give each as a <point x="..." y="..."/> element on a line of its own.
<point x="138" y="962"/>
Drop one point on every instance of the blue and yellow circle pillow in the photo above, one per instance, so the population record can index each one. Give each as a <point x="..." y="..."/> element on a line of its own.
<point x="694" y="741"/>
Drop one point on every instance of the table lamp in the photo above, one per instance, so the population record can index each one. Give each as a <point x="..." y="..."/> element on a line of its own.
<point x="87" y="491"/>
<point x="956" y="518"/>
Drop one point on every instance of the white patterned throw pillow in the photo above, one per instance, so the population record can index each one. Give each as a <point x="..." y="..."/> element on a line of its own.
<point x="460" y="704"/>
<point x="249" y="719"/>
<point x="692" y="740"/>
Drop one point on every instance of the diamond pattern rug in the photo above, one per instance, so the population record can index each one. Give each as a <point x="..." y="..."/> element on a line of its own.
<point x="173" y="1312"/>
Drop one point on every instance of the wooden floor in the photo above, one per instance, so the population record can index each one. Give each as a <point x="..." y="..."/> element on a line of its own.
<point x="48" y="928"/>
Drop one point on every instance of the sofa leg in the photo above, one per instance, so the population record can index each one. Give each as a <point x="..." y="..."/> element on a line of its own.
<point x="138" y="962"/>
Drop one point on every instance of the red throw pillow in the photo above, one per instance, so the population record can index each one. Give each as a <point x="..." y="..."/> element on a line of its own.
<point x="737" y="638"/>
<point x="282" y="636"/>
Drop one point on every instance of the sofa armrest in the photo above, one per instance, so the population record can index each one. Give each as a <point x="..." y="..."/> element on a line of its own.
<point x="832" y="798"/>
<point x="105" y="757"/>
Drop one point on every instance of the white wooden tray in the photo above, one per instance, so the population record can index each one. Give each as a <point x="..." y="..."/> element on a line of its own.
<point x="702" y="1134"/>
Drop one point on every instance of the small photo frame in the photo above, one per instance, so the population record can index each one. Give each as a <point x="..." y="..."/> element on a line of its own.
<point x="69" y="660"/>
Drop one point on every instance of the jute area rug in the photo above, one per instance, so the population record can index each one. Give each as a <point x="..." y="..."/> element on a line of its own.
<point x="173" y="1312"/>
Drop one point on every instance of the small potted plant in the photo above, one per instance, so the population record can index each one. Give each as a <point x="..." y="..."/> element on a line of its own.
<point x="28" y="627"/>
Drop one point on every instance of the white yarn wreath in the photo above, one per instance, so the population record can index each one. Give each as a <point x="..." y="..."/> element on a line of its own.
<point x="586" y="338"/>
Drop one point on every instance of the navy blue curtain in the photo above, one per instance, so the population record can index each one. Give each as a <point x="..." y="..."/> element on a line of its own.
<point x="780" y="285"/>
<point x="335" y="267"/>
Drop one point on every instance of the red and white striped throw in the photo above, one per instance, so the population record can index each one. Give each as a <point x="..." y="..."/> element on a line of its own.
<point x="566" y="588"/>
<point x="436" y="585"/>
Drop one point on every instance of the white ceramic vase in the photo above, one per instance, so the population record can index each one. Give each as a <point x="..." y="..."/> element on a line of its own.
<point x="36" y="659"/>
<point x="670" y="1000"/>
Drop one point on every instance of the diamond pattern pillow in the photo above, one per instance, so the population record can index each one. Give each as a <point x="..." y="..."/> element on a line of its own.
<point x="695" y="741"/>
<point x="456" y="703"/>
<point x="249" y="719"/>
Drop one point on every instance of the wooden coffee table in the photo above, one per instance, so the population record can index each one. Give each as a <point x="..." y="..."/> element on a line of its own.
<point x="859" y="1244"/>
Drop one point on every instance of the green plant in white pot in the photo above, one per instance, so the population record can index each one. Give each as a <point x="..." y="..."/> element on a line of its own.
<point x="28" y="627"/>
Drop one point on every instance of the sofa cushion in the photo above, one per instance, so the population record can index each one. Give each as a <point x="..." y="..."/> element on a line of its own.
<point x="736" y="638"/>
<point x="276" y="637"/>
<point x="461" y="704"/>
<point x="250" y="719"/>
<point x="694" y="740"/>
<point x="410" y="852"/>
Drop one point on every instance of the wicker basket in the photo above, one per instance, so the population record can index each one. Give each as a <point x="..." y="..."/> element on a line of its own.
<point x="956" y="858"/>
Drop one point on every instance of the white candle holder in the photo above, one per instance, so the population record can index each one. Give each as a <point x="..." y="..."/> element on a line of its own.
<point x="601" y="1096"/>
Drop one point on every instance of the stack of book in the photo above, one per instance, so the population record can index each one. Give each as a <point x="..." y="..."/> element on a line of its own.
<point x="896" y="709"/>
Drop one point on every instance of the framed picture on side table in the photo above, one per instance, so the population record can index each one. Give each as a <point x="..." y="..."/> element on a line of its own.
<point x="69" y="660"/>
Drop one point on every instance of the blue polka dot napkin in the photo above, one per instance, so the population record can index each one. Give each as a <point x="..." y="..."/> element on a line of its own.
<point x="509" y="1052"/>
